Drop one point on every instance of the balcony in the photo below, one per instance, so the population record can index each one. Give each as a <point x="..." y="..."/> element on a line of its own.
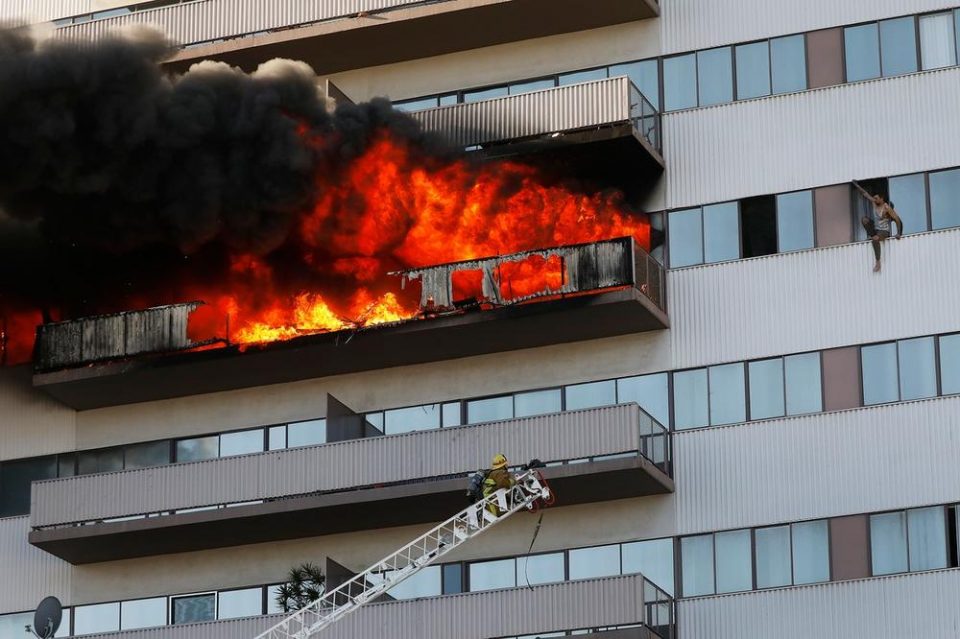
<point x="370" y="483"/>
<point x="576" y="605"/>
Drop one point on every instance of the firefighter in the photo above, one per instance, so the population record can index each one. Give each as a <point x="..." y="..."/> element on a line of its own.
<point x="498" y="477"/>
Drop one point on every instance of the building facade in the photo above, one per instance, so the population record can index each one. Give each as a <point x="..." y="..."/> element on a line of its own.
<point x="768" y="449"/>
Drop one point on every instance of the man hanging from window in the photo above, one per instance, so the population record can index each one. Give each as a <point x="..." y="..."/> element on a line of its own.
<point x="877" y="225"/>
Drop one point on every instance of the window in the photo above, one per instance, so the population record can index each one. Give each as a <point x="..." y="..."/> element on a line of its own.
<point x="490" y="575"/>
<point x="12" y="625"/>
<point x="197" y="449"/>
<point x="733" y="565"/>
<point x="803" y="382"/>
<point x="484" y="94"/>
<point x="795" y="221"/>
<point x="950" y="364"/>
<point x="278" y="437"/>
<point x="414" y="418"/>
<point x="908" y="193"/>
<point x="591" y="395"/>
<point x="879" y="369"/>
<point x="66" y="465"/>
<point x="788" y="63"/>
<point x="690" y="405"/>
<point x="653" y="559"/>
<point x="753" y="70"/>
<point x="727" y="394"/>
<point x="104" y="460"/>
<point x="490" y="409"/>
<point x="645" y="75"/>
<point x="425" y="583"/>
<point x="766" y="389"/>
<point x="416" y="105"/>
<point x="241" y="443"/>
<point x="811" y="552"/>
<point x="15" y="479"/>
<point x="143" y="613"/>
<point x="452" y="414"/>
<point x="927" y="533"/>
<point x="540" y="569"/>
<point x="696" y="554"/>
<point x="146" y="455"/>
<point x="758" y="225"/>
<point x="192" y="609"/>
<point x="685" y="238"/>
<point x="452" y="578"/>
<point x="918" y="373"/>
<point x="533" y="85"/>
<point x="721" y="232"/>
<point x="888" y="543"/>
<point x="715" y="76"/>
<point x="537" y="403"/>
<point x="308" y="433"/>
<point x="680" y="82"/>
<point x="898" y="46"/>
<point x="272" y="606"/>
<point x="233" y="604"/>
<point x="937" y="42"/>
<point x="88" y="620"/>
<point x="773" y="557"/>
<point x="650" y="392"/>
<point x="582" y="76"/>
<point x="601" y="561"/>
<point x="945" y="199"/>
<point x="862" y="52"/>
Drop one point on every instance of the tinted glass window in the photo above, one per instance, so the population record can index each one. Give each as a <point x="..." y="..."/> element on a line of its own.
<point x="696" y="557"/>
<point x="945" y="199"/>
<point x="198" y="449"/>
<point x="721" y="232"/>
<point x="489" y="410"/>
<point x="879" y="364"/>
<point x="489" y="575"/>
<point x="766" y="388"/>
<point x="928" y="538"/>
<point x="788" y="61"/>
<point x="888" y="543"/>
<point x="909" y="196"/>
<point x="537" y="402"/>
<point x="192" y="609"/>
<point x="898" y="46"/>
<point x="602" y="561"/>
<point x="416" y="105"/>
<point x="540" y="569"/>
<point x="583" y="76"/>
<point x="680" y="82"/>
<point x="795" y="221"/>
<point x="645" y="75"/>
<point x="452" y="578"/>
<point x="67" y="465"/>
<point x="811" y="552"/>
<point x="241" y="443"/>
<point x="309" y="433"/>
<point x="145" y="455"/>
<point x="452" y="414"/>
<point x="715" y="76"/>
<point x="727" y="394"/>
<point x="734" y="568"/>
<point x="753" y="70"/>
<point x="100" y="461"/>
<point x="937" y="44"/>
<point x="690" y="405"/>
<point x="804" y="388"/>
<point x="653" y="559"/>
<point x="950" y="364"/>
<point x="918" y="369"/>
<point x="534" y="85"/>
<point x="233" y="604"/>
<point x="862" y="52"/>
<point x="484" y="94"/>
<point x="650" y="392"/>
<point x="591" y="395"/>
<point x="425" y="583"/>
<point x="685" y="236"/>
<point x="143" y="613"/>
<point x="15" y="478"/>
<point x="405" y="420"/>
<point x="773" y="556"/>
<point x="97" y="618"/>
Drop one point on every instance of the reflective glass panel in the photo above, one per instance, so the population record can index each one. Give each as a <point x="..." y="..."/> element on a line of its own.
<point x="533" y="85"/>
<point x="537" y="402"/>
<point x="862" y="52"/>
<point x="582" y="76"/>
<point x="100" y="461"/>
<point x="721" y="232"/>
<point x="696" y="556"/>
<point x="490" y="409"/>
<point x="278" y="437"/>
<point x="945" y="199"/>
<point x="192" y="609"/>
<point x="753" y="70"/>
<point x="909" y="196"/>
<point x="272" y="606"/>
<point x="540" y="569"/>
<point x="406" y="420"/>
<point x="680" y="82"/>
<point x="950" y="364"/>
<point x="879" y="365"/>
<point x="425" y="583"/>
<point x="927" y="528"/>
<point x="795" y="221"/>
<point x="727" y="394"/>
<point x="241" y="443"/>
<point x="233" y="604"/>
<point x="888" y="543"/>
<point x="591" y="395"/>
<point x="308" y="433"/>
<point x="685" y="238"/>
<point x="690" y="406"/>
<point x="650" y="392"/>
<point x="67" y="465"/>
<point x="898" y="46"/>
<point x="811" y="552"/>
<point x="645" y="75"/>
<point x="451" y="414"/>
<point x="601" y="561"/>
<point x="918" y="369"/>
<point x="484" y="94"/>
<point x="146" y="455"/>
<point x="452" y="578"/>
<point x="12" y="626"/>
<point x="15" y="479"/>
<point x="773" y="556"/>
<point x="416" y="105"/>
<point x="65" y="624"/>
<point x="734" y="566"/>
<point x="450" y="98"/>
<point x="937" y="44"/>
<point x="653" y="559"/>
<point x="490" y="575"/>
<point x="96" y="618"/>
<point x="198" y="449"/>
<point x="788" y="61"/>
<point x="143" y="613"/>
<point x="804" y="386"/>
<point x="715" y="76"/>
<point x="766" y="388"/>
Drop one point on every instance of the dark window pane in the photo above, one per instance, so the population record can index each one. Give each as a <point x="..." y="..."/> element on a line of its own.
<point x="879" y="365"/>
<point x="241" y="443"/>
<point x="100" y="461"/>
<point x="601" y="561"/>
<point x="591" y="395"/>
<point x="680" y="82"/>
<point x="773" y="557"/>
<point x="143" y="613"/>
<point x="758" y="225"/>
<point x="690" y="405"/>
<point x="696" y="555"/>
<point x="533" y="85"/>
<point x="645" y="75"/>
<point x="937" y="43"/>
<point x="145" y="455"/>
<point x="753" y="70"/>
<point x="685" y="236"/>
<point x="484" y="94"/>
<point x="909" y="196"/>
<point x="96" y="618"/>
<point x="650" y="392"/>
<point x="15" y="479"/>
<point x="945" y="199"/>
<point x="583" y="76"/>
<point x="811" y="552"/>
<point x="416" y="105"/>
<point x="451" y="414"/>
<point x="898" y="46"/>
<point x="540" y="569"/>
<point x="715" y="76"/>
<point x="66" y="465"/>
<point x="452" y="578"/>
<point x="405" y="420"/>
<point x="192" y="609"/>
<point x="233" y="604"/>
<point x="734" y="566"/>
<point x="804" y="386"/>
<point x="490" y="409"/>
<point x="766" y="389"/>
<point x="721" y="232"/>
<point x="795" y="221"/>
<point x="927" y="531"/>
<point x="537" y="402"/>
<point x="918" y="370"/>
<point x="308" y="433"/>
<point x="862" y="52"/>
<point x="727" y="394"/>
<point x="788" y="59"/>
<point x="198" y="449"/>
<point x="888" y="543"/>
<point x="490" y="575"/>
<point x="653" y="559"/>
<point x="950" y="364"/>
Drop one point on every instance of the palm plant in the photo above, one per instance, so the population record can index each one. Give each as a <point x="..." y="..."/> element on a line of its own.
<point x="305" y="584"/>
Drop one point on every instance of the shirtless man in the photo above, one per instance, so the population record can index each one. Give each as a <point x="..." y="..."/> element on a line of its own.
<point x="878" y="225"/>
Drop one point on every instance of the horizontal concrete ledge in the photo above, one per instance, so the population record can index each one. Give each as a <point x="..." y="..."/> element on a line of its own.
<point x="367" y="509"/>
<point x="583" y="317"/>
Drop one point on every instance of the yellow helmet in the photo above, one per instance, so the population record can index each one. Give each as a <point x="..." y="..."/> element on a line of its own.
<point x="499" y="461"/>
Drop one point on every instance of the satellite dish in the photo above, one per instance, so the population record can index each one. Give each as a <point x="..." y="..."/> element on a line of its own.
<point x="46" y="620"/>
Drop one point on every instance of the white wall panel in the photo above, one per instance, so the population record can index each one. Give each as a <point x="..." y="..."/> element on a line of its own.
<point x="28" y="574"/>
<point x="855" y="461"/>
<point x="918" y="605"/>
<point x="31" y="423"/>
<point x="695" y="24"/>
<point x="814" y="138"/>
<point x="33" y="11"/>
<point x="810" y="300"/>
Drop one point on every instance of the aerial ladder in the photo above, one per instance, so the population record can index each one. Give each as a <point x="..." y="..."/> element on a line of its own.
<point x="530" y="492"/>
